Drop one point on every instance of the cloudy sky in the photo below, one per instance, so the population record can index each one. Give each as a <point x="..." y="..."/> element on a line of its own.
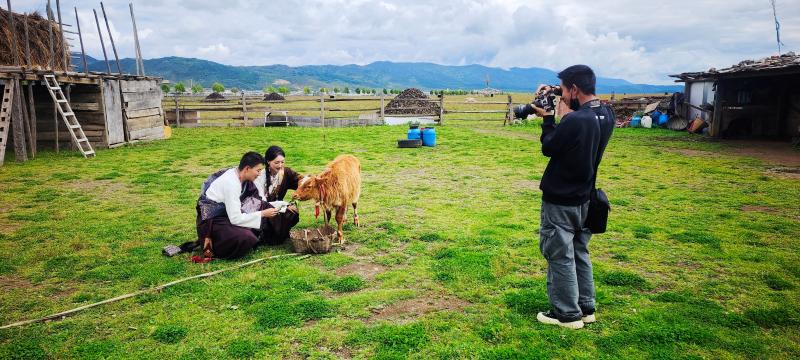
<point x="636" y="40"/>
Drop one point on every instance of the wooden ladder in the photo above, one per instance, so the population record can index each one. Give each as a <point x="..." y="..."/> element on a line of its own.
<point x="75" y="129"/>
<point x="5" y="116"/>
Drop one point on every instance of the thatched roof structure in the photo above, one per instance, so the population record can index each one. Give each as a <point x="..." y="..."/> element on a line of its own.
<point x="39" y="42"/>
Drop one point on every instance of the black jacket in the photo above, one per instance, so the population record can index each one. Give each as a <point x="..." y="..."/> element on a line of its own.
<point x="574" y="146"/>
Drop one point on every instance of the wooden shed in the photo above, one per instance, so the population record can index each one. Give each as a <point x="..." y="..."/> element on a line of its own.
<point x="111" y="109"/>
<point x="755" y="99"/>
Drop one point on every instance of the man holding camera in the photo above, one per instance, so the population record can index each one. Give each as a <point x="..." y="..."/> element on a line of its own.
<point x="575" y="147"/>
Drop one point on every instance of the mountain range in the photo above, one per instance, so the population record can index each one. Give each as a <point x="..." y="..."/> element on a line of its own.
<point x="377" y="75"/>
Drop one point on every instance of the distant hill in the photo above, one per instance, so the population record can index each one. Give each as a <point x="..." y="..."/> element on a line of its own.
<point x="377" y="75"/>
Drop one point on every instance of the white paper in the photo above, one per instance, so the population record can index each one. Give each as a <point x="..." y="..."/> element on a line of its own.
<point x="280" y="205"/>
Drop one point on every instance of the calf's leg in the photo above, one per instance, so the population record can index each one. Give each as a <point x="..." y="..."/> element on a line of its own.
<point x="339" y="222"/>
<point x="355" y="214"/>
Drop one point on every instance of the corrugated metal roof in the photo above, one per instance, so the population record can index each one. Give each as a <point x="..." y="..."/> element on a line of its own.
<point x="788" y="61"/>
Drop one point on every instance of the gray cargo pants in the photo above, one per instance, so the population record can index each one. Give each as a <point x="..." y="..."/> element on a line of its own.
<point x="564" y="242"/>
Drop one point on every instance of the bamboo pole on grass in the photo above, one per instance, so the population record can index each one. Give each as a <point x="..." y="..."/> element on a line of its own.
<point x="64" y="314"/>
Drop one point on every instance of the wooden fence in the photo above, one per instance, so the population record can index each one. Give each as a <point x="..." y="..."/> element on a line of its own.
<point x="324" y="110"/>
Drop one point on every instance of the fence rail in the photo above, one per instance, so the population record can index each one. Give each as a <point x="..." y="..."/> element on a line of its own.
<point x="248" y="110"/>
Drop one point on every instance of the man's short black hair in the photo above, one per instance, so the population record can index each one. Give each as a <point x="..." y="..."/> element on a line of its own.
<point x="581" y="76"/>
<point x="251" y="159"/>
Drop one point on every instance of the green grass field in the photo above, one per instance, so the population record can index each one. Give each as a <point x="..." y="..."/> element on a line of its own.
<point x="700" y="261"/>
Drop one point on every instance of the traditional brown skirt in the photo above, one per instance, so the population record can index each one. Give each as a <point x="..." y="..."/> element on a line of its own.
<point x="275" y="231"/>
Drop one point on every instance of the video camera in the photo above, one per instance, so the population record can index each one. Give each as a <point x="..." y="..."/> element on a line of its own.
<point x="545" y="99"/>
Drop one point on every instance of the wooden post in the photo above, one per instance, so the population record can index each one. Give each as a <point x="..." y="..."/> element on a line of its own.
<point x="322" y="108"/>
<point x="27" y="121"/>
<point x="13" y="34"/>
<point x="441" y="110"/>
<point x="80" y="38"/>
<point x="50" y="32"/>
<point x="177" y="112"/>
<point x="102" y="44"/>
<point x="67" y="95"/>
<point x="510" y="116"/>
<point x="139" y="61"/>
<point x="110" y="37"/>
<point x="382" y="109"/>
<point x="27" y="43"/>
<point x="64" y="53"/>
<point x="244" y="108"/>
<point x="18" y="123"/>
<point x="32" y="114"/>
<point x="716" y="116"/>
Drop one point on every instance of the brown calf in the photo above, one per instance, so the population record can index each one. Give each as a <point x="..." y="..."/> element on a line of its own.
<point x="338" y="186"/>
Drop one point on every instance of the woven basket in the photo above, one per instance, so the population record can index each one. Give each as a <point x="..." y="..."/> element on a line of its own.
<point x="313" y="241"/>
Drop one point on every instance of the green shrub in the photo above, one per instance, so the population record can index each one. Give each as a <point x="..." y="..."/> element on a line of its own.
<point x="623" y="278"/>
<point x="775" y="282"/>
<point x="697" y="237"/>
<point x="169" y="334"/>
<point x="527" y="301"/>
<point x="347" y="284"/>
<point x="241" y="349"/>
<point x="769" y="318"/>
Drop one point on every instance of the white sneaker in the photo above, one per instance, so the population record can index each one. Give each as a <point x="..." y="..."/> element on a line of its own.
<point x="588" y="319"/>
<point x="548" y="318"/>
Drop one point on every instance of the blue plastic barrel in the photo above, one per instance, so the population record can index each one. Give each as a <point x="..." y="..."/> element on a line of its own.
<point x="662" y="120"/>
<point x="636" y="121"/>
<point x="429" y="137"/>
<point x="655" y="115"/>
<point x="414" y="134"/>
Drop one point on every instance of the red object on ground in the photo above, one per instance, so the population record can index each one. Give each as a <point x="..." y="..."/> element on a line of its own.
<point x="201" y="260"/>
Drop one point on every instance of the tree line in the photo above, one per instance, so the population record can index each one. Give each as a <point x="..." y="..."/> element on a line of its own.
<point x="217" y="87"/>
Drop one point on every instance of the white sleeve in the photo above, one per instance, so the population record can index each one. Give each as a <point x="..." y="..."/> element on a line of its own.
<point x="233" y="206"/>
<point x="261" y="182"/>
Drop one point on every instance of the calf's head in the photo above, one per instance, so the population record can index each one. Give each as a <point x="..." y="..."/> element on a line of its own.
<point x="307" y="189"/>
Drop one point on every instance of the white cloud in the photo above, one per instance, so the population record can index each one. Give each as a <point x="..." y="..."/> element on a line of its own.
<point x="635" y="40"/>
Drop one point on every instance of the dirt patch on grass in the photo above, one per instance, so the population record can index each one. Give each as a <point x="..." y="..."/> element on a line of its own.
<point x="8" y="283"/>
<point x="526" y="184"/>
<point x="691" y="152"/>
<point x="410" y="309"/>
<point x="772" y="152"/>
<point x="786" y="172"/>
<point x="16" y="283"/>
<point x="761" y="209"/>
<point x="365" y="270"/>
<point x="100" y="189"/>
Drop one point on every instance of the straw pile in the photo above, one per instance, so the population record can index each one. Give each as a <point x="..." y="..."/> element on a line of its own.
<point x="412" y="101"/>
<point x="274" y="97"/>
<point x="39" y="42"/>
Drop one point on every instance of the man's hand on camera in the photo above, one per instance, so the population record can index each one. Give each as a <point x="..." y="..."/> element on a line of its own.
<point x="540" y="112"/>
<point x="563" y="108"/>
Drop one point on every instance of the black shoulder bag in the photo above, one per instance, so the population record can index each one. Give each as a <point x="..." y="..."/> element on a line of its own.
<point x="599" y="207"/>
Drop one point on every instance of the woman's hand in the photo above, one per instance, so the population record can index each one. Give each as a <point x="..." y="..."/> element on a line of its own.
<point x="292" y="208"/>
<point x="269" y="213"/>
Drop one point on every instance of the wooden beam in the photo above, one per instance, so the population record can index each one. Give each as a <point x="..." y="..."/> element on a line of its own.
<point x="80" y="37"/>
<point x="110" y="37"/>
<point x="18" y="124"/>
<point x="28" y="129"/>
<point x="32" y="113"/>
<point x="86" y="106"/>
